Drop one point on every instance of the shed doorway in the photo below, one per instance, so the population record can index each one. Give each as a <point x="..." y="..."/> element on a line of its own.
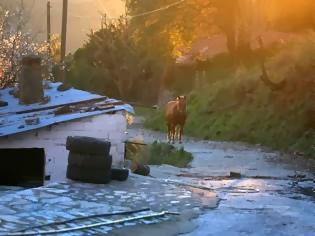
<point x="24" y="167"/>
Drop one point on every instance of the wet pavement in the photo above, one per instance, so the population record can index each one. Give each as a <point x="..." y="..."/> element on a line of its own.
<point x="64" y="201"/>
<point x="270" y="197"/>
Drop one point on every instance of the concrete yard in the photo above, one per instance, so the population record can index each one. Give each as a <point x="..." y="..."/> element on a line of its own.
<point x="274" y="195"/>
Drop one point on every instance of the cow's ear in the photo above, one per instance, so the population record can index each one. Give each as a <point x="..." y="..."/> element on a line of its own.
<point x="178" y="98"/>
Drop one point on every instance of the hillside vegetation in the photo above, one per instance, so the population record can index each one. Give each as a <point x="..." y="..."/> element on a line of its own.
<point x="134" y="59"/>
<point x="235" y="105"/>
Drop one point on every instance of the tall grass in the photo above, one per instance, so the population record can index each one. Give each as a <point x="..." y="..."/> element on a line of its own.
<point x="157" y="154"/>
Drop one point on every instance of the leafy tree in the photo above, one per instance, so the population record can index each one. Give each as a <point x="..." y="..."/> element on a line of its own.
<point x="172" y="29"/>
<point x="175" y="28"/>
<point x="15" y="42"/>
<point x="112" y="52"/>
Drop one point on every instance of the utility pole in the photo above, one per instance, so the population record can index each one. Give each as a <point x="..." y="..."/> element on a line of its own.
<point x="63" y="39"/>
<point x="48" y="27"/>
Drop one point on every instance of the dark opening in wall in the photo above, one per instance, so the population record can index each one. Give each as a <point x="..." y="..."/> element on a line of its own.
<point x="23" y="167"/>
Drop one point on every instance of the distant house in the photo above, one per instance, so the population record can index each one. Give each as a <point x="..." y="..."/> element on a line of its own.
<point x="33" y="137"/>
<point x="207" y="48"/>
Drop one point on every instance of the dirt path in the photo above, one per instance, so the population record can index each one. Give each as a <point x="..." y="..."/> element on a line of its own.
<point x="271" y="198"/>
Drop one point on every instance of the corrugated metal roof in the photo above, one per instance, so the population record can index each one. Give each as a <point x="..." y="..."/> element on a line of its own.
<point x="83" y="104"/>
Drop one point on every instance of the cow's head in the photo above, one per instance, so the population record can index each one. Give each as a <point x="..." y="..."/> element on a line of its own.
<point x="181" y="101"/>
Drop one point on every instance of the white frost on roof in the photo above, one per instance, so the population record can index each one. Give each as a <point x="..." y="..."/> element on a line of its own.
<point x="12" y="117"/>
<point x="56" y="98"/>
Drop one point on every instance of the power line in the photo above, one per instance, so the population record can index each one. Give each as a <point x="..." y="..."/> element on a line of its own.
<point x="158" y="10"/>
<point x="140" y="14"/>
<point x="83" y="17"/>
<point x="137" y="15"/>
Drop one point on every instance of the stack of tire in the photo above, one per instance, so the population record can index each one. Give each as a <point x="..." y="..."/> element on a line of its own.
<point x="90" y="161"/>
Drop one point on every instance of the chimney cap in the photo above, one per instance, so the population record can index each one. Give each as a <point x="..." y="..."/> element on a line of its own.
<point x="31" y="60"/>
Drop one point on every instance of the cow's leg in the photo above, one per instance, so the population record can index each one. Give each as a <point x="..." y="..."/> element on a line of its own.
<point x="181" y="129"/>
<point x="173" y="133"/>
<point x="178" y="133"/>
<point x="169" y="132"/>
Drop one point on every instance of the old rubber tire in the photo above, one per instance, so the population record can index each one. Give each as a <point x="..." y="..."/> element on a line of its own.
<point x="90" y="161"/>
<point x="88" y="145"/>
<point x="3" y="103"/>
<point x="88" y="175"/>
<point x="119" y="174"/>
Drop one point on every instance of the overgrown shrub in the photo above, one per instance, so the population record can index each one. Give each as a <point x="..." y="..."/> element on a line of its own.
<point x="158" y="154"/>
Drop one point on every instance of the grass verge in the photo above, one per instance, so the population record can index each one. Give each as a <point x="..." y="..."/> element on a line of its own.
<point x="158" y="154"/>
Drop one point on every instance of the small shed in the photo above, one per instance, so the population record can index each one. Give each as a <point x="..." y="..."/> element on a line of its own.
<point x="33" y="137"/>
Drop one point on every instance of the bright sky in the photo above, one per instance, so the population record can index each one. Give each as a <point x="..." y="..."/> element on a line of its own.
<point x="83" y="15"/>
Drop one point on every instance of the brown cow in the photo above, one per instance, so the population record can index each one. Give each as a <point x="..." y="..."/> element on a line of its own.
<point x="175" y="115"/>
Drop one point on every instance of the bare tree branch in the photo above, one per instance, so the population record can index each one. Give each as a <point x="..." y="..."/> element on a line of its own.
<point x="15" y="42"/>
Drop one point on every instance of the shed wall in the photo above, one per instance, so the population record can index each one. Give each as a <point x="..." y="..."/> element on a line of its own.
<point x="53" y="140"/>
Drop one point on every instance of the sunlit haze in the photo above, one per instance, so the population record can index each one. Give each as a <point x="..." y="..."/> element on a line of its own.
<point x="83" y="16"/>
